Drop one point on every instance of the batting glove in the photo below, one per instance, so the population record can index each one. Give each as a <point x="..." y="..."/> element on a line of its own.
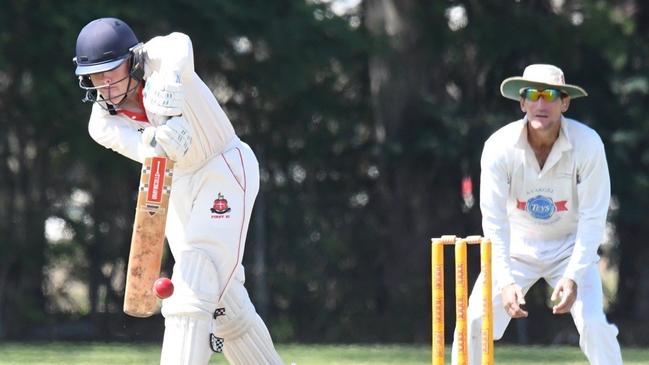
<point x="149" y="146"/>
<point x="174" y="137"/>
<point x="163" y="94"/>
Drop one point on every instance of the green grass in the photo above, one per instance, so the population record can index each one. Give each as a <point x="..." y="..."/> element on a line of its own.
<point x="60" y="353"/>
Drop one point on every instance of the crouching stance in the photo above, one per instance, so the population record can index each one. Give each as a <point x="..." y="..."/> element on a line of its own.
<point x="544" y="196"/>
<point x="148" y="100"/>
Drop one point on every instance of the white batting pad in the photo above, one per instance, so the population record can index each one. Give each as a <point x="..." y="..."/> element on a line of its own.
<point x="247" y="340"/>
<point x="185" y="341"/>
<point x="188" y="312"/>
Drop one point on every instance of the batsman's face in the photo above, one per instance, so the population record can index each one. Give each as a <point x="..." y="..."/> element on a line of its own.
<point x="544" y="115"/>
<point x="112" y="84"/>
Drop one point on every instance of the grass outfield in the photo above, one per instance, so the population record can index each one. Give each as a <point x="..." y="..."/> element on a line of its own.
<point x="114" y="354"/>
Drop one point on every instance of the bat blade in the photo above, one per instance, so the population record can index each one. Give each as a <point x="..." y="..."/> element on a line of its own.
<point x="147" y="242"/>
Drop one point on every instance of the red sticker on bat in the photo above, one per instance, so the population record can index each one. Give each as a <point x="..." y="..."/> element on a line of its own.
<point x="156" y="179"/>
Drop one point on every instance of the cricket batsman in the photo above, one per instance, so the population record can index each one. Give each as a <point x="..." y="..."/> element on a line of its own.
<point x="544" y="197"/>
<point x="148" y="100"/>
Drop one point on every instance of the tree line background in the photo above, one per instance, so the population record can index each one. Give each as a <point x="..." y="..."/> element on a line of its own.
<point x="366" y="117"/>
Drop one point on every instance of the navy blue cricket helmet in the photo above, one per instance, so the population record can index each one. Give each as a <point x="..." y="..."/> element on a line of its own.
<point x="102" y="45"/>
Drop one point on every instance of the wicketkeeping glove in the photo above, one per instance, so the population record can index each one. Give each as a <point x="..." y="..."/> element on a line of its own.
<point x="163" y="94"/>
<point x="175" y="137"/>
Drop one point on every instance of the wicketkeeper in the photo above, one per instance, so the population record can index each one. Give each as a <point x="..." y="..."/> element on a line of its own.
<point x="148" y="99"/>
<point x="544" y="196"/>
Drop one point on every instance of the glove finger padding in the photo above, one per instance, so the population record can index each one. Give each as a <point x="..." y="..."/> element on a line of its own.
<point x="163" y="94"/>
<point x="175" y="137"/>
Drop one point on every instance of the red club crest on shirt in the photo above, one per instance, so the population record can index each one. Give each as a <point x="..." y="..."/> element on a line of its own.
<point x="220" y="205"/>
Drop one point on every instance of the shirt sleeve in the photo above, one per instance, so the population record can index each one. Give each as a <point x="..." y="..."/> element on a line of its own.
<point x="593" y="195"/>
<point x="112" y="133"/>
<point x="494" y="191"/>
<point x="170" y="53"/>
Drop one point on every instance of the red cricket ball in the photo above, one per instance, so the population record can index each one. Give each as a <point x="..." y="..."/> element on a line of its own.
<point x="163" y="288"/>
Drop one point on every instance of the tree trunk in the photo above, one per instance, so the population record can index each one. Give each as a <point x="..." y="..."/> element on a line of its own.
<point x="398" y="77"/>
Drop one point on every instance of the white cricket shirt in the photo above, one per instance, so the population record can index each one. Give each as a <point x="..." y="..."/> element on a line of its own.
<point x="211" y="129"/>
<point x="542" y="215"/>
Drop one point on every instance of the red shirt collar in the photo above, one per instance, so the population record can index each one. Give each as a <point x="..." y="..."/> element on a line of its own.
<point x="140" y="117"/>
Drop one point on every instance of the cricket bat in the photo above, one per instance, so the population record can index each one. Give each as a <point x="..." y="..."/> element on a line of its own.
<point x="147" y="242"/>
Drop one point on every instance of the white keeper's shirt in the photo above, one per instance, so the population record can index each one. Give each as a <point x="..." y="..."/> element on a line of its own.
<point x="211" y="129"/>
<point x="549" y="214"/>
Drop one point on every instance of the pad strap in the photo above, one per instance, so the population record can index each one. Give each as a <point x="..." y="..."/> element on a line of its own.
<point x="216" y="343"/>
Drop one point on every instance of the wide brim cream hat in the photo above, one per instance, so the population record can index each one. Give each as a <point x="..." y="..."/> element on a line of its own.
<point x="539" y="76"/>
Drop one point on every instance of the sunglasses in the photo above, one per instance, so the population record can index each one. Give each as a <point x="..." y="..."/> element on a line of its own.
<point x="548" y="95"/>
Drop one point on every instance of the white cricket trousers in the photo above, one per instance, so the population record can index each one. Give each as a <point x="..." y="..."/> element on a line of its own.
<point x="207" y="226"/>
<point x="210" y="212"/>
<point x="598" y="338"/>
